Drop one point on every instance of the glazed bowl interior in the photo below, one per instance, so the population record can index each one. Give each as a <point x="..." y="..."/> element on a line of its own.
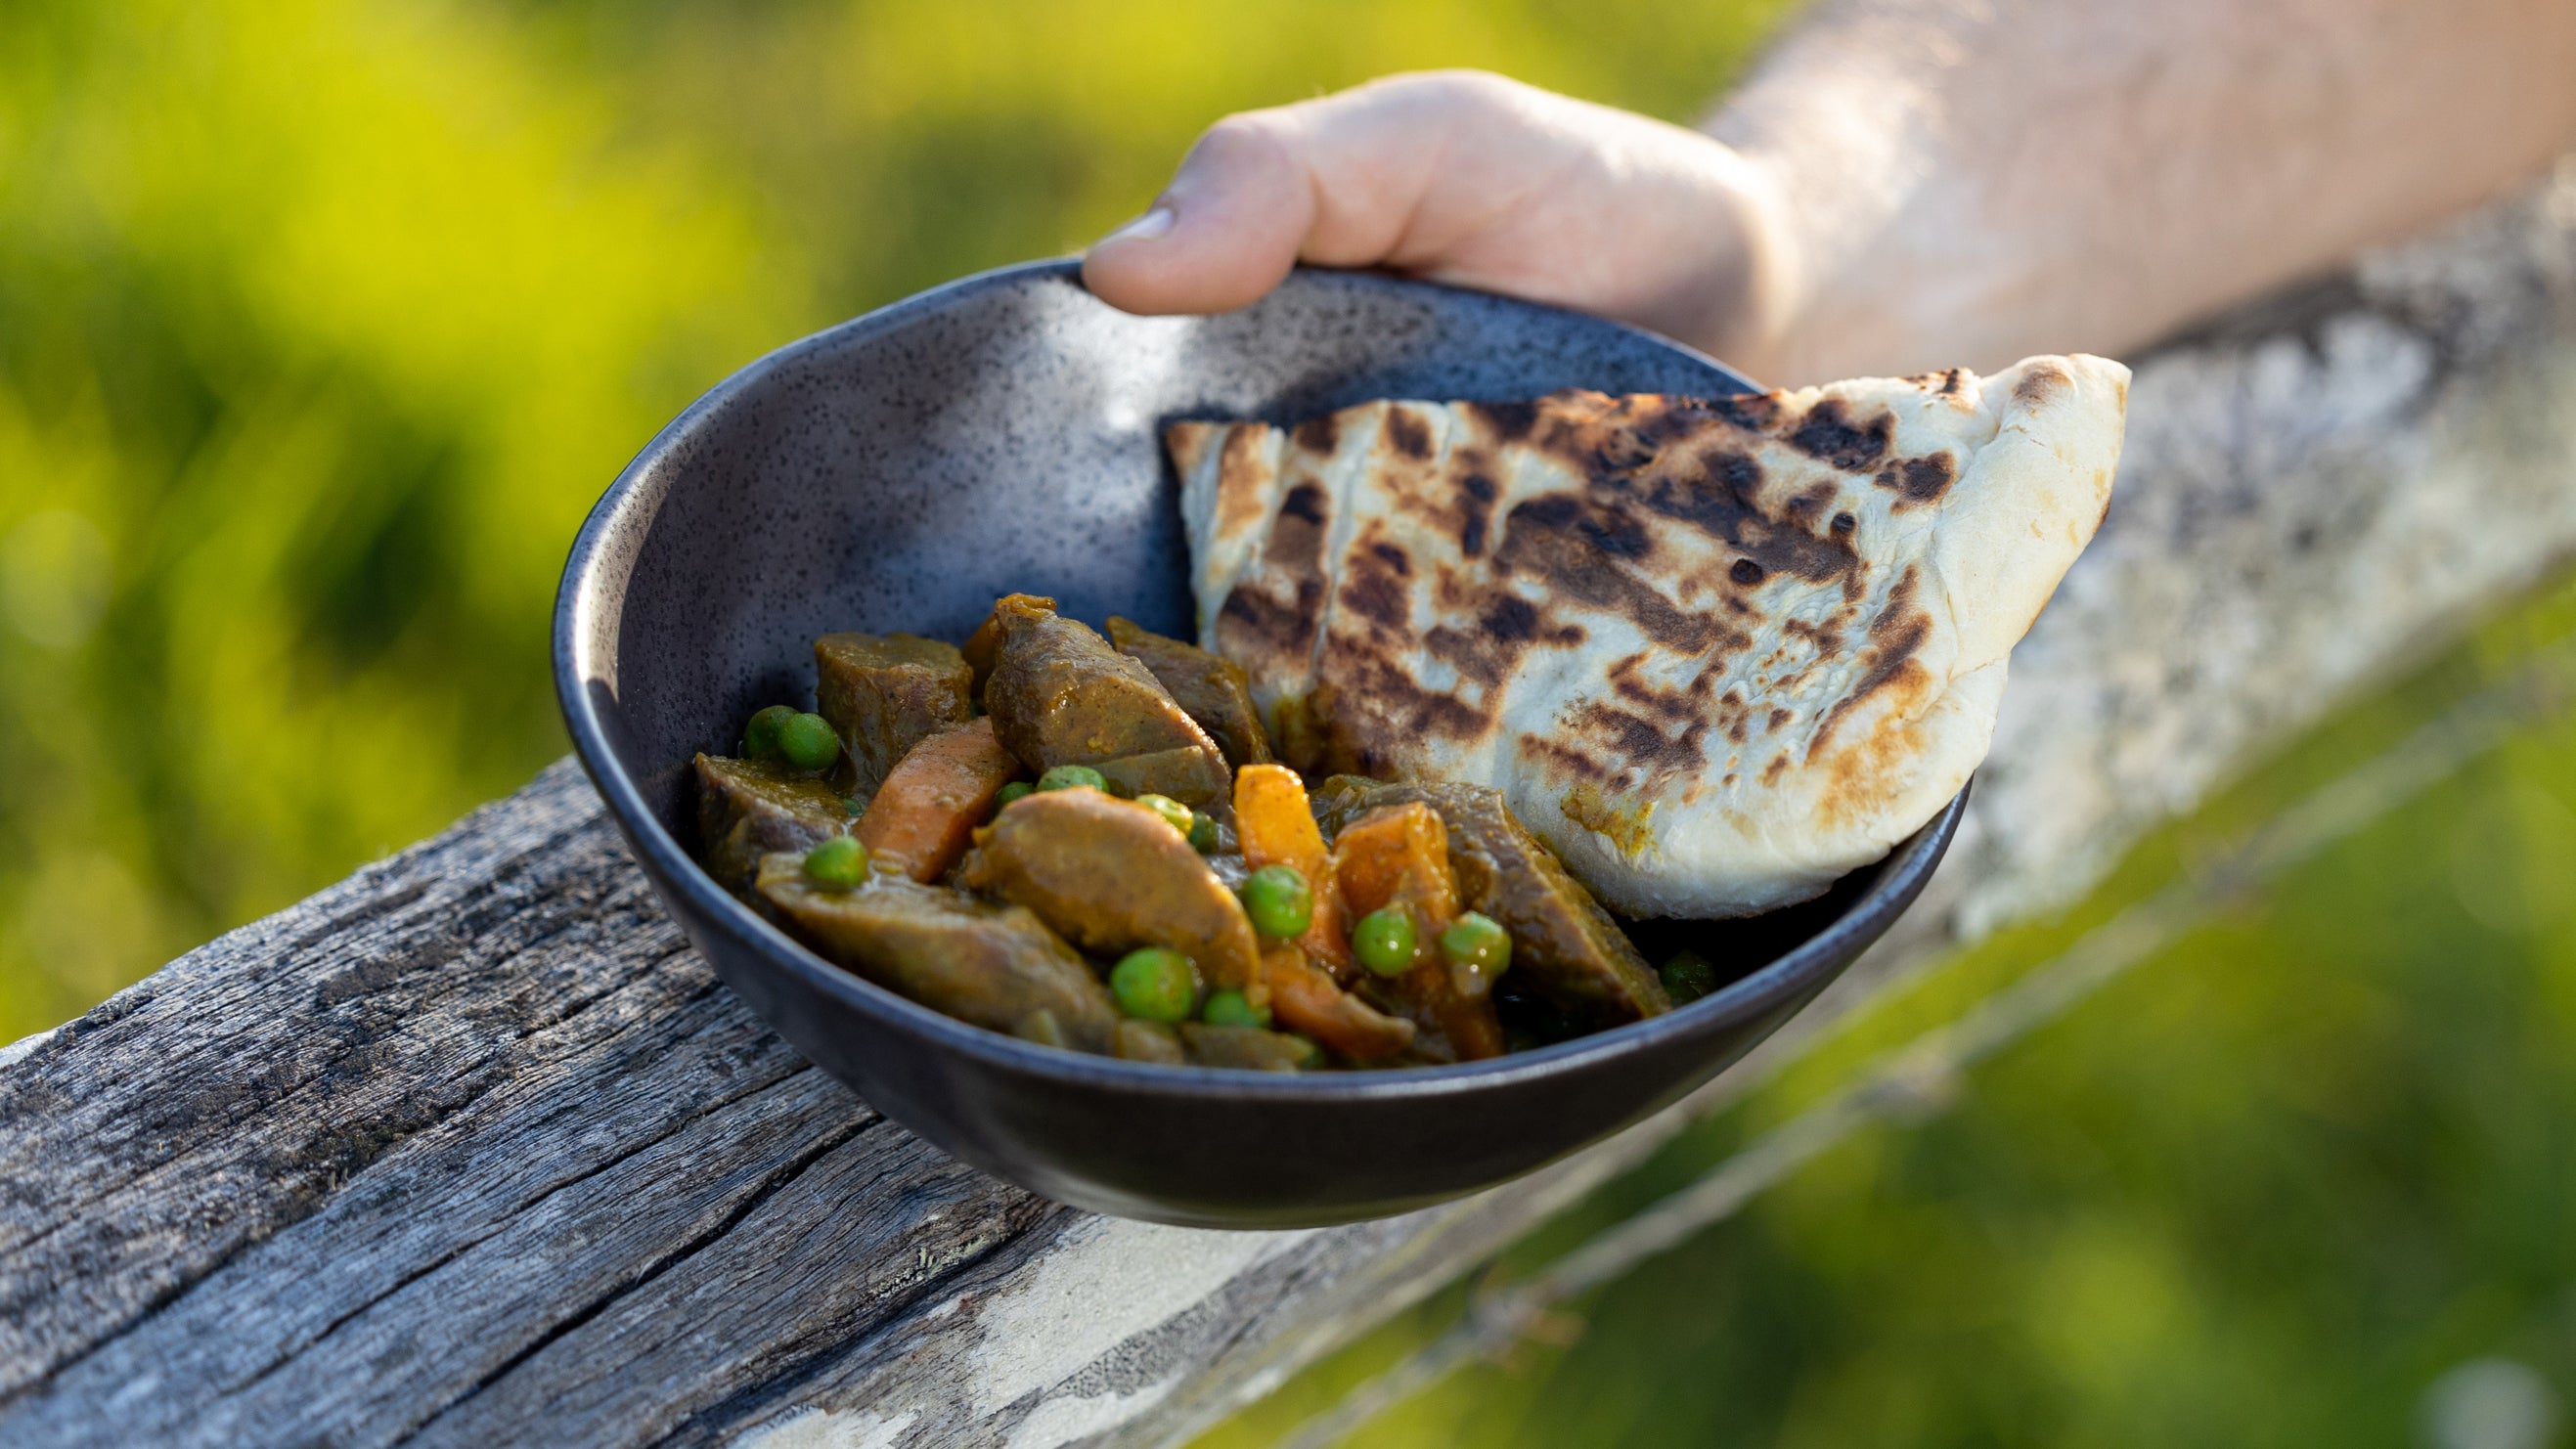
<point x="999" y="434"/>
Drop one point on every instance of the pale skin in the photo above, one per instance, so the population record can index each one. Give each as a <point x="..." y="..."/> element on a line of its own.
<point x="1898" y="187"/>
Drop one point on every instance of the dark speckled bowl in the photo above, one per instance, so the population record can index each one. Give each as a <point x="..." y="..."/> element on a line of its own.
<point x="900" y="471"/>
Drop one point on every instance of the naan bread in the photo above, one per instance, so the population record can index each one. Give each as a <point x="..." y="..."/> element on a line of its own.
<point x="1716" y="652"/>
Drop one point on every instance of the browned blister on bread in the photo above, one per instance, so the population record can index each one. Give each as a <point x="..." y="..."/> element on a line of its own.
<point x="1715" y="652"/>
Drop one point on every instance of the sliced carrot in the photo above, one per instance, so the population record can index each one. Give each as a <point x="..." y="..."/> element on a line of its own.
<point x="933" y="799"/>
<point x="1397" y="853"/>
<point x="1398" y="856"/>
<point x="1275" y="825"/>
<point x="1304" y="999"/>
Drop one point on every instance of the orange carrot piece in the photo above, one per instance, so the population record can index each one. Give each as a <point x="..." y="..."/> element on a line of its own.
<point x="1274" y="825"/>
<point x="933" y="799"/>
<point x="1397" y="853"/>
<point x="1398" y="856"/>
<point x="1304" y="999"/>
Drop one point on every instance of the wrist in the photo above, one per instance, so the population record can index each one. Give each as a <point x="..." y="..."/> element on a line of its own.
<point x="1756" y="267"/>
<point x="1841" y="154"/>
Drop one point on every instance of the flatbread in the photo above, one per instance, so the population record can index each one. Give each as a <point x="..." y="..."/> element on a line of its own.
<point x="1716" y="652"/>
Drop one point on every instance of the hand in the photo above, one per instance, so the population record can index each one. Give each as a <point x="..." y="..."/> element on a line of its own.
<point x="1471" y="179"/>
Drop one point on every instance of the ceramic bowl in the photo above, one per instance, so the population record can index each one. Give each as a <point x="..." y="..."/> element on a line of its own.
<point x="900" y="471"/>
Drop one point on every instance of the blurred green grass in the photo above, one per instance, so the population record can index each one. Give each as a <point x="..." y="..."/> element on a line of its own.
<point x="323" y="321"/>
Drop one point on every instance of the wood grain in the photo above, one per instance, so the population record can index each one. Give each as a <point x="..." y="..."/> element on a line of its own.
<point x="472" y="1149"/>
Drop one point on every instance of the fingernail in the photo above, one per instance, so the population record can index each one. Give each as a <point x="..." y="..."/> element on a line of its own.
<point x="1144" y="228"/>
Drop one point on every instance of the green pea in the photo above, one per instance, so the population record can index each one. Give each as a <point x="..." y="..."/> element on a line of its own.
<point x="808" y="742"/>
<point x="1232" y="1008"/>
<point x="1279" y="901"/>
<point x="1688" y="977"/>
<point x="1154" y="983"/>
<point x="1384" y="939"/>
<point x="1173" y="811"/>
<point x="760" y="736"/>
<point x="1478" y="941"/>
<point x="1072" y="777"/>
<point x="1011" y="792"/>
<point x="1203" y="833"/>
<point x="840" y="861"/>
<point x="852" y="808"/>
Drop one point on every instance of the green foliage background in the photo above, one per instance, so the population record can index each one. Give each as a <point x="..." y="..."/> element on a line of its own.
<point x="323" y="321"/>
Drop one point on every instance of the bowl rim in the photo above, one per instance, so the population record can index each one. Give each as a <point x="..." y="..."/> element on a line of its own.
<point x="608" y="536"/>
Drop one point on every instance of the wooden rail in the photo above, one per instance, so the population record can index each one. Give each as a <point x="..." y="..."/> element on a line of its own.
<point x="473" y="1149"/>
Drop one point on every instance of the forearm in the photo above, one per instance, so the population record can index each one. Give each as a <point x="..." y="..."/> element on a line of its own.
<point x="1969" y="182"/>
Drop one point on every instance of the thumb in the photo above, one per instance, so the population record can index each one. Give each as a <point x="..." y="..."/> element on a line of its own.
<point x="1224" y="233"/>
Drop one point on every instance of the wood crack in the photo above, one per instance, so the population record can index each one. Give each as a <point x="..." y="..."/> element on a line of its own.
<point x="901" y="1315"/>
<point x="501" y="1224"/>
<point x="328" y="1179"/>
<point x="771" y="1185"/>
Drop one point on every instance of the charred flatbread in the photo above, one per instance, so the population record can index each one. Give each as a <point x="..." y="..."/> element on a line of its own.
<point x="1715" y="651"/>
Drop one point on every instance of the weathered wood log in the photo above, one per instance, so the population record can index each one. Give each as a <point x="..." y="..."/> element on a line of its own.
<point x="472" y="1148"/>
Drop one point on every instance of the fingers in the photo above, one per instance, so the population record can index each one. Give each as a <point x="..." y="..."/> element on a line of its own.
<point x="1465" y="178"/>
<point x="1223" y="233"/>
<point x="1340" y="181"/>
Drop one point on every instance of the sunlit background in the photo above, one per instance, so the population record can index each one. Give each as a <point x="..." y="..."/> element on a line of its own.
<point x="321" y="324"/>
